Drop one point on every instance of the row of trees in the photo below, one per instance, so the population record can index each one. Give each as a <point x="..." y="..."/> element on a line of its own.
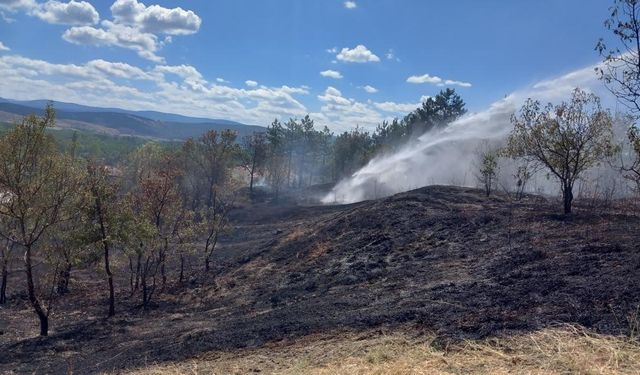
<point x="161" y="204"/>
<point x="63" y="212"/>
<point x="296" y="154"/>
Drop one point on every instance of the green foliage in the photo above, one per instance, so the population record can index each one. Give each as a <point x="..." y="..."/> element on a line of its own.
<point x="352" y="151"/>
<point x="488" y="170"/>
<point x="106" y="148"/>
<point x="436" y="112"/>
<point x="39" y="189"/>
<point x="565" y="139"/>
<point x="621" y="72"/>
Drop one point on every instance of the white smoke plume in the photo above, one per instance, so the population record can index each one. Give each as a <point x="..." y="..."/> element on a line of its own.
<point x="447" y="156"/>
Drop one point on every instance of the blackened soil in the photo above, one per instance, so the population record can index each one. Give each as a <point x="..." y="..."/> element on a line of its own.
<point x="445" y="260"/>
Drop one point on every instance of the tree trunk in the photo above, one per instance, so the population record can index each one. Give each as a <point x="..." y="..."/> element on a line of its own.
<point x="251" y="182"/>
<point x="163" y="260"/>
<point x="567" y="197"/>
<point x="131" y="274"/>
<point x="144" y="291"/>
<point x="5" y="274"/>
<point x="137" y="275"/>
<point x="33" y="298"/>
<point x="252" y="172"/>
<point x="3" y="286"/>
<point x="106" y="248"/>
<point x="63" y="280"/>
<point x="181" y="268"/>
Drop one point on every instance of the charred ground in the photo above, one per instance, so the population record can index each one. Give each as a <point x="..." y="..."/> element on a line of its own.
<point x="441" y="260"/>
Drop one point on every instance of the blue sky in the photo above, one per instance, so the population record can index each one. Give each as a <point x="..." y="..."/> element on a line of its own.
<point x="253" y="60"/>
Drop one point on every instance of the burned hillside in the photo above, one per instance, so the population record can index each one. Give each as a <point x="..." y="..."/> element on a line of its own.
<point x="442" y="260"/>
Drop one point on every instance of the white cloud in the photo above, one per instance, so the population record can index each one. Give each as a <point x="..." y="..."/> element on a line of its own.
<point x="435" y="80"/>
<point x="333" y="95"/>
<point x="134" y="26"/>
<point x="343" y="113"/>
<point x="221" y="80"/>
<point x="359" y="54"/>
<point x="54" y="12"/>
<point x="350" y="4"/>
<point x="403" y="108"/>
<point x="179" y="89"/>
<point x="251" y="83"/>
<point x="156" y="19"/>
<point x="118" y="69"/>
<point x="113" y="34"/>
<point x="183" y="89"/>
<point x="331" y="74"/>
<point x="3" y="47"/>
<point x="71" y="13"/>
<point x="14" y="5"/>
<point x="332" y="50"/>
<point x="370" y="89"/>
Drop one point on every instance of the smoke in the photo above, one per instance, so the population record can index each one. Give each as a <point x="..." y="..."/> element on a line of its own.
<point x="448" y="156"/>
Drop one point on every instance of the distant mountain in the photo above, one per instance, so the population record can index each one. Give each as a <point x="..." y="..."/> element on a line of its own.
<point x="148" y="124"/>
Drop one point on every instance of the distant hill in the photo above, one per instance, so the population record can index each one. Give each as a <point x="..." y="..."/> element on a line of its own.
<point x="114" y="121"/>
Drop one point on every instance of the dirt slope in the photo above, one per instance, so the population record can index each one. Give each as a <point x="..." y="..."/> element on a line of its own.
<point x="447" y="261"/>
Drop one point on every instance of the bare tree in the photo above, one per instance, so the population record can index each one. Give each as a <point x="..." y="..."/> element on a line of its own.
<point x="566" y="139"/>
<point x="159" y="205"/>
<point x="253" y="155"/>
<point x="215" y="220"/>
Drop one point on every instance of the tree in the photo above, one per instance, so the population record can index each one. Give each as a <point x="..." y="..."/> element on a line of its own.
<point x="108" y="219"/>
<point x="631" y="171"/>
<point x="6" y="248"/>
<point x="209" y="158"/>
<point x="566" y="139"/>
<point x="36" y="182"/>
<point x="436" y="112"/>
<point x="253" y="155"/>
<point x="158" y="203"/>
<point x="352" y="150"/>
<point x="620" y="72"/>
<point x="488" y="170"/>
<point x="216" y="219"/>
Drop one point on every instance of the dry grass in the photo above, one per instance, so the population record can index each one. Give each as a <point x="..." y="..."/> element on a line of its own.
<point x="321" y="248"/>
<point x="565" y="350"/>
<point x="295" y="234"/>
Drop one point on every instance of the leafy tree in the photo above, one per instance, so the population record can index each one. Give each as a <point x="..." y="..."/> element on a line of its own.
<point x="108" y="218"/>
<point x="36" y="183"/>
<point x="566" y="139"/>
<point x="389" y="135"/>
<point x="488" y="170"/>
<point x="325" y="150"/>
<point x="621" y="72"/>
<point x="209" y="160"/>
<point x="352" y="150"/>
<point x="436" y="112"/>
<point x="632" y="170"/>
